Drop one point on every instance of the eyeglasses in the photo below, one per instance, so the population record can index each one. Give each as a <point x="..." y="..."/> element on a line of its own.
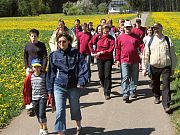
<point x="128" y="27"/>
<point x="62" y="41"/>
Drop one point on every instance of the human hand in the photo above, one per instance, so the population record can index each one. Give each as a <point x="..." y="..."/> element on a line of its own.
<point x="144" y="72"/>
<point x="118" y="63"/>
<point x="51" y="102"/>
<point x="80" y="86"/>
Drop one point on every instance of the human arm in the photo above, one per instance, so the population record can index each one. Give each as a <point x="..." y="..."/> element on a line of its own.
<point x="82" y="71"/>
<point x="45" y="59"/>
<point x="51" y="74"/>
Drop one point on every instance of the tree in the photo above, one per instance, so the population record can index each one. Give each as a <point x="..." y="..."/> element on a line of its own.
<point x="136" y="4"/>
<point x="102" y="8"/>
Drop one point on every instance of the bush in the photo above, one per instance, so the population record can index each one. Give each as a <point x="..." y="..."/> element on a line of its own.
<point x="79" y="8"/>
<point x="102" y="8"/>
<point x="74" y="10"/>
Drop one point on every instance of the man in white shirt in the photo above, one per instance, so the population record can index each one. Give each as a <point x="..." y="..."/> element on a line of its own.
<point x="160" y="54"/>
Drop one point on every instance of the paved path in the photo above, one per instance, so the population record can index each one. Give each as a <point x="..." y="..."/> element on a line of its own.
<point x="106" y="117"/>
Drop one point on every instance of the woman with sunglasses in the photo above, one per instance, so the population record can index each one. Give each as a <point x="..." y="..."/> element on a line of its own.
<point x="67" y="72"/>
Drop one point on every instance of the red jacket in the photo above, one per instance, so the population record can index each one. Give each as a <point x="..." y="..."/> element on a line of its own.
<point x="127" y="48"/>
<point x="103" y="43"/>
<point x="84" y="38"/>
<point x="27" y="91"/>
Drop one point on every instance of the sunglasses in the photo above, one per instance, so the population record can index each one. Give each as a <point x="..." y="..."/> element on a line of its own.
<point x="62" y="41"/>
<point x="128" y="27"/>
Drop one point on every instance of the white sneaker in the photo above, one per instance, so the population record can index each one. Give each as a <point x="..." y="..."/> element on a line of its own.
<point x="43" y="132"/>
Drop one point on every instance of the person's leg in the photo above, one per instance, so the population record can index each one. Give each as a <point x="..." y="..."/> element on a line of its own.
<point x="125" y="79"/>
<point x="60" y="96"/>
<point x="88" y="59"/>
<point x="107" y="77"/>
<point x="35" y="104"/>
<point x="74" y="96"/>
<point x="42" y="116"/>
<point x="166" y="95"/>
<point x="42" y="112"/>
<point x="134" y="75"/>
<point x="155" y="83"/>
<point x="100" y="65"/>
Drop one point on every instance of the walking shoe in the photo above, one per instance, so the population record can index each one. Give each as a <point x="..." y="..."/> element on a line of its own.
<point x="79" y="131"/>
<point x="30" y="112"/>
<point x="133" y="96"/>
<point x="107" y="97"/>
<point x="126" y="99"/>
<point x="43" y="132"/>
<point x="156" y="100"/>
<point x="167" y="110"/>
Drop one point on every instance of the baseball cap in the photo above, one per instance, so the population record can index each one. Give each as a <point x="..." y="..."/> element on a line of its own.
<point x="36" y="62"/>
<point x="157" y="25"/>
<point x="127" y="23"/>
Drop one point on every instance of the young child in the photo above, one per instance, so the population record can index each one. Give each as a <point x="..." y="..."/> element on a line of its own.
<point x="39" y="94"/>
<point x="34" y="49"/>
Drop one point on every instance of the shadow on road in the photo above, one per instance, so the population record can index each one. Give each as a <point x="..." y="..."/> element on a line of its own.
<point x="100" y="131"/>
<point x="143" y="94"/>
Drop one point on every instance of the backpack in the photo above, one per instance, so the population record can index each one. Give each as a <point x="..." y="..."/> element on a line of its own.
<point x="149" y="44"/>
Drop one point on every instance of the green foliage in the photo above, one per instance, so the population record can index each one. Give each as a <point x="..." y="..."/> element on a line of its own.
<point x="102" y="8"/>
<point x="74" y="10"/>
<point x="66" y="7"/>
<point x="79" y="8"/>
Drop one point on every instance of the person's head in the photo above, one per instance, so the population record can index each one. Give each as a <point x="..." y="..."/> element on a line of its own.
<point x="127" y="27"/>
<point x="157" y="27"/>
<point x="121" y="22"/>
<point x="134" y="25"/>
<point x="36" y="65"/>
<point x="138" y="22"/>
<point x="103" y="22"/>
<point x="99" y="29"/>
<point x="77" y="23"/>
<point x="64" y="41"/>
<point x="105" y="29"/>
<point x="110" y="22"/>
<point x="61" y="24"/>
<point x="84" y="27"/>
<point x="90" y="25"/>
<point x="149" y="31"/>
<point x="34" y="34"/>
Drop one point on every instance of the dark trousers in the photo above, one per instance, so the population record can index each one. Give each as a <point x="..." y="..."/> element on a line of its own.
<point x="166" y="95"/>
<point x="40" y="109"/>
<point x="104" y="72"/>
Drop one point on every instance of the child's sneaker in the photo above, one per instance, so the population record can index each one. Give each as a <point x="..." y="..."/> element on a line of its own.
<point x="43" y="132"/>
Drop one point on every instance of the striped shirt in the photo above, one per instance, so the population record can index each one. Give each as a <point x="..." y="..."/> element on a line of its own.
<point x="38" y="84"/>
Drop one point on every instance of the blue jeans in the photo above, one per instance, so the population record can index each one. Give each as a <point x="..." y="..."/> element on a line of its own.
<point x="40" y="109"/>
<point x="130" y="75"/>
<point x="88" y="60"/>
<point x="61" y="95"/>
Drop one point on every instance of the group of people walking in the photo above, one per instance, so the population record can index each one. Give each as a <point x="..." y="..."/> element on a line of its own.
<point x="72" y="50"/>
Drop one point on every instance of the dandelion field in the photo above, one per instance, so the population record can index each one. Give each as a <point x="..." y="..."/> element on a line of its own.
<point x="14" y="36"/>
<point x="170" y="22"/>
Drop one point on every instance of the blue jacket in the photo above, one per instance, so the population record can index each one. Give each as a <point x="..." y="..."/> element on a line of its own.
<point x="66" y="69"/>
